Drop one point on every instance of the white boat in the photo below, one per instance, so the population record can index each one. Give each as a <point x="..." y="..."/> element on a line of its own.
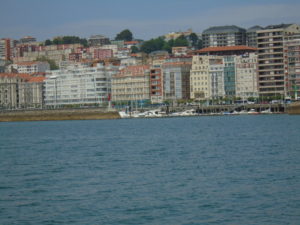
<point x="267" y="111"/>
<point x="190" y="112"/>
<point x="253" y="111"/>
<point x="124" y="114"/>
<point x="243" y="112"/>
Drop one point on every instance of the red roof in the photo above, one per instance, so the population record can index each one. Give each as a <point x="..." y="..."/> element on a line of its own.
<point x="227" y="48"/>
<point x="36" y="79"/>
<point x="25" y="76"/>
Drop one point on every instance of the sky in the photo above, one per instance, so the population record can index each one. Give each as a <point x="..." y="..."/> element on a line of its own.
<point x="146" y="19"/>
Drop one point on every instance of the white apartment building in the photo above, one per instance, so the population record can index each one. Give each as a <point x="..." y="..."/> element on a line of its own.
<point x="246" y="76"/>
<point x="207" y="77"/>
<point x="29" y="67"/>
<point x="79" y="84"/>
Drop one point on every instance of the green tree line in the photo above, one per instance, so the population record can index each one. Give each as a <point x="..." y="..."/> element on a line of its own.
<point x="67" y="40"/>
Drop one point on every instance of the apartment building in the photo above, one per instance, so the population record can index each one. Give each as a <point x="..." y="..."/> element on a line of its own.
<point x="176" y="78"/>
<point x="102" y="53"/>
<point x="131" y="85"/>
<point x="229" y="76"/>
<point x="272" y="71"/>
<point x="29" y="67"/>
<point x="6" y="46"/>
<point x="98" y="40"/>
<point x="207" y="77"/>
<point x="292" y="53"/>
<point x="79" y="84"/>
<point x="156" y="84"/>
<point x="246" y="76"/>
<point x="251" y="36"/>
<point x="224" y="36"/>
<point x="20" y="91"/>
<point x="57" y="53"/>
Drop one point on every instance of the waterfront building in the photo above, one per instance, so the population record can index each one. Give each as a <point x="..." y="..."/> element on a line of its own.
<point x="229" y="76"/>
<point x="292" y="52"/>
<point x="131" y="85"/>
<point x="156" y="84"/>
<point x="79" y="84"/>
<point x="176" y="78"/>
<point x="271" y="65"/>
<point x="251" y="36"/>
<point x="98" y="40"/>
<point x="246" y="76"/>
<point x="223" y="36"/>
<point x="29" y="67"/>
<point x="207" y="78"/>
<point x="20" y="91"/>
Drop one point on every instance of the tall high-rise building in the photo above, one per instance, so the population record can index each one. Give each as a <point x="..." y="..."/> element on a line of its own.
<point x="223" y="36"/>
<point x="6" y="46"/>
<point x="292" y="51"/>
<point x="271" y="66"/>
<point x="251" y="36"/>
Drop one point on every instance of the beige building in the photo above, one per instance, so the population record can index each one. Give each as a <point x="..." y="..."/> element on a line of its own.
<point x="272" y="70"/>
<point x="131" y="84"/>
<point x="246" y="76"/>
<point x="20" y="91"/>
<point x="207" y="77"/>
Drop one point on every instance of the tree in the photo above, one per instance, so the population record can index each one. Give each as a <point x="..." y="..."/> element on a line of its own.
<point x="180" y="41"/>
<point x="124" y="35"/>
<point x="153" y="45"/>
<point x="51" y="62"/>
<point x="48" y="42"/>
<point x="194" y="39"/>
<point x="134" y="49"/>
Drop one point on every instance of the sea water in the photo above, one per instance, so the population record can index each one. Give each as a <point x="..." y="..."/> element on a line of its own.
<point x="192" y="170"/>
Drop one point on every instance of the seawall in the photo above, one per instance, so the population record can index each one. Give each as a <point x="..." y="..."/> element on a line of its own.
<point x="293" y="108"/>
<point x="58" y="114"/>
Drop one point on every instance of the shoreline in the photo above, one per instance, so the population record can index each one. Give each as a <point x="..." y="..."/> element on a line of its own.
<point x="58" y="114"/>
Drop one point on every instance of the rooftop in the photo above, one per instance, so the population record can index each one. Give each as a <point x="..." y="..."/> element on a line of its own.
<point x="223" y="29"/>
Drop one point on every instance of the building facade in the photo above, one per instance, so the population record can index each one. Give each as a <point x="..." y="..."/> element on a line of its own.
<point x="6" y="49"/>
<point x="229" y="76"/>
<point x="20" y="91"/>
<point x="30" y="67"/>
<point x="292" y="52"/>
<point x="223" y="36"/>
<point x="246" y="76"/>
<point x="156" y="84"/>
<point x="251" y="36"/>
<point x="79" y="85"/>
<point x="207" y="78"/>
<point x="98" y="40"/>
<point x="271" y="63"/>
<point x="176" y="78"/>
<point x="132" y="85"/>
